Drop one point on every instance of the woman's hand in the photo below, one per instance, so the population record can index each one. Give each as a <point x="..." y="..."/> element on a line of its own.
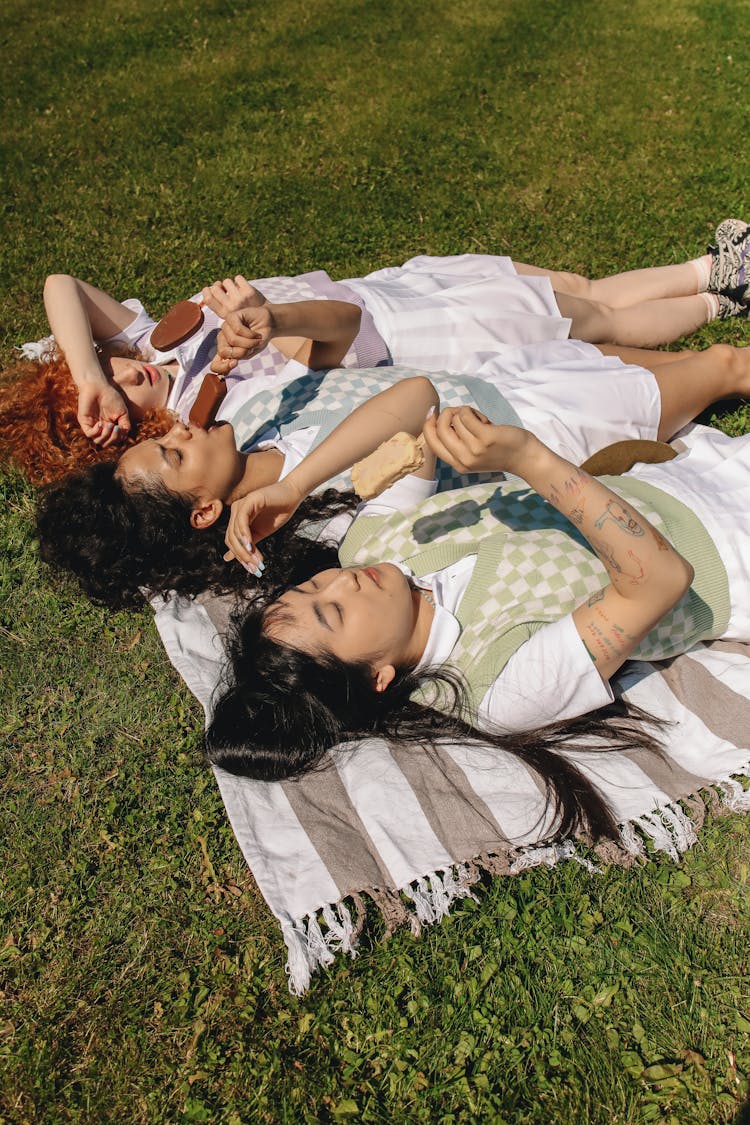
<point x="256" y="516"/>
<point x="102" y="413"/>
<point x="468" y="441"/>
<point x="242" y="335"/>
<point x="231" y="295"/>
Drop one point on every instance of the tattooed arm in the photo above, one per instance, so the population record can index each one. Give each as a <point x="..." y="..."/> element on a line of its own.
<point x="647" y="576"/>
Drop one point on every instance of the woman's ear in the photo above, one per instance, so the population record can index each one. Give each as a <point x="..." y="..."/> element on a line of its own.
<point x="205" y="515"/>
<point x="383" y="677"/>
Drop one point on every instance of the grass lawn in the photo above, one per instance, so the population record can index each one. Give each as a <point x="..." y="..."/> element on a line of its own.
<point x="150" y="149"/>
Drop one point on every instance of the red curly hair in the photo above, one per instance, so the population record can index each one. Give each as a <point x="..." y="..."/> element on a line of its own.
<point x="39" y="430"/>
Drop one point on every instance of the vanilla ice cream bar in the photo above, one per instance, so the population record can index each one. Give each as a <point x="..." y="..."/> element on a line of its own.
<point x="210" y="397"/>
<point x="396" y="458"/>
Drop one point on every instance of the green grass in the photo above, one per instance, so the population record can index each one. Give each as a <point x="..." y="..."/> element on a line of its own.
<point x="151" y="148"/>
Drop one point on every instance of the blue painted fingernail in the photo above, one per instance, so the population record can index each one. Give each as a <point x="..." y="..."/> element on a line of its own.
<point x="261" y="567"/>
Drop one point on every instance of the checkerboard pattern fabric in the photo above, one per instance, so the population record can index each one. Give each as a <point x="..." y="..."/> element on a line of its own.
<point x="326" y="398"/>
<point x="532" y="568"/>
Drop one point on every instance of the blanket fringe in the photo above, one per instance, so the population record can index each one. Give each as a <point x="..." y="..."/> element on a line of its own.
<point x="671" y="828"/>
<point x="434" y="894"/>
<point x="549" y="855"/>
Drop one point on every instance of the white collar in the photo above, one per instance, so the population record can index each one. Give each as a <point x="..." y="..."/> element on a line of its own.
<point x="444" y="629"/>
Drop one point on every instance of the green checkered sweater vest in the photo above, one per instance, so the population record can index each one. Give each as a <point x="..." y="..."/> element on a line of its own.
<point x="326" y="398"/>
<point x="533" y="567"/>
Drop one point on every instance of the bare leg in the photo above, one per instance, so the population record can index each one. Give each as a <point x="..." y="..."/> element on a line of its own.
<point x="696" y="379"/>
<point x="624" y="289"/>
<point x="648" y="324"/>
<point x="643" y="357"/>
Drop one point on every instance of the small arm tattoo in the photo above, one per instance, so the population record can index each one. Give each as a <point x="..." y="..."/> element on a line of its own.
<point x="619" y="515"/>
<point x="570" y="488"/>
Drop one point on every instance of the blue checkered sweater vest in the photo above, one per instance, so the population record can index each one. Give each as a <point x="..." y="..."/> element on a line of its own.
<point x="533" y="567"/>
<point x="326" y="398"/>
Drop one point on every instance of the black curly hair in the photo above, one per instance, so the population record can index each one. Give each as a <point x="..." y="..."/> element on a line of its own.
<point x="123" y="544"/>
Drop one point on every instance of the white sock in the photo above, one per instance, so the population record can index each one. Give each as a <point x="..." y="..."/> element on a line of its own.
<point x="702" y="267"/>
<point x="712" y="305"/>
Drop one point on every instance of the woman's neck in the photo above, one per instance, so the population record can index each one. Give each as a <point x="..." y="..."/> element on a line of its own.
<point x="423" y="604"/>
<point x="259" y="470"/>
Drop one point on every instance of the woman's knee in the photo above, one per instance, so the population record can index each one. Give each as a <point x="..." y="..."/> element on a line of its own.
<point x="591" y="320"/>
<point x="574" y="284"/>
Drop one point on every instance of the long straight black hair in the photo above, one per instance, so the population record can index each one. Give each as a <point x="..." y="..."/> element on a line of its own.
<point x="280" y="710"/>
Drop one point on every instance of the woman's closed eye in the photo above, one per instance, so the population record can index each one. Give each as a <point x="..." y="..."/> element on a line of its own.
<point x="171" y="456"/>
<point x="330" y="615"/>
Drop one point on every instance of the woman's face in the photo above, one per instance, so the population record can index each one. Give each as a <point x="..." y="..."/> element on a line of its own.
<point x="188" y="461"/>
<point x="144" y="385"/>
<point x="370" y="614"/>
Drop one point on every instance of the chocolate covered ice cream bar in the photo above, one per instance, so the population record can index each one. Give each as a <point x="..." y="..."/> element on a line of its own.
<point x="396" y="458"/>
<point x="177" y="325"/>
<point x="210" y="397"/>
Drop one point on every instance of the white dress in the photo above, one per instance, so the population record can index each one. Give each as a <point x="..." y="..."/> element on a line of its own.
<point x="576" y="399"/>
<point x="433" y="312"/>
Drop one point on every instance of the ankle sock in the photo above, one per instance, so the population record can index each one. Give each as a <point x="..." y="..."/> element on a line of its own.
<point x="702" y="267"/>
<point x="712" y="305"/>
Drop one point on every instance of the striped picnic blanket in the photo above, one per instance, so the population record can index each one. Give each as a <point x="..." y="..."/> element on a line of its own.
<point x="412" y="830"/>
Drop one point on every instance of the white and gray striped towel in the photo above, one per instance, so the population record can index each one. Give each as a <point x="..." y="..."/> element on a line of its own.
<point x="411" y="830"/>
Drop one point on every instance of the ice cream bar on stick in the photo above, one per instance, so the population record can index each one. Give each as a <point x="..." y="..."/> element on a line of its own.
<point x="617" y="458"/>
<point x="177" y="325"/>
<point x="209" y="399"/>
<point x="396" y="458"/>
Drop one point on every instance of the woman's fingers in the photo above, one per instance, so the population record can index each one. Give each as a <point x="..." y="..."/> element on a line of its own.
<point x="443" y="441"/>
<point x="109" y="433"/>
<point x="461" y="436"/>
<point x="247" y="293"/>
<point x="222" y="366"/>
<point x="473" y="433"/>
<point x="102" y="414"/>
<point x="237" y="333"/>
<point x="238" y="539"/>
<point x="473" y="419"/>
<point x="236" y="347"/>
<point x="215" y="297"/>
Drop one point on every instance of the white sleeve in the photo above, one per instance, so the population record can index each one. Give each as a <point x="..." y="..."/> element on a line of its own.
<point x="404" y="494"/>
<point x="549" y="677"/>
<point x="139" y="330"/>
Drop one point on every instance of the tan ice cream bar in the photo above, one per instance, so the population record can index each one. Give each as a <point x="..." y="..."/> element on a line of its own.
<point x="209" y="399"/>
<point x="396" y="458"/>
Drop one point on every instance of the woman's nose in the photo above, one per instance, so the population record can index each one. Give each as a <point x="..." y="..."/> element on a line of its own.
<point x="345" y="578"/>
<point x="179" y="432"/>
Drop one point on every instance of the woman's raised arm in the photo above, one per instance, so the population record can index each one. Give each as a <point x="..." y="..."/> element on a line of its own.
<point x="647" y="576"/>
<point x="316" y="333"/>
<point x="403" y="406"/>
<point x="80" y="314"/>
